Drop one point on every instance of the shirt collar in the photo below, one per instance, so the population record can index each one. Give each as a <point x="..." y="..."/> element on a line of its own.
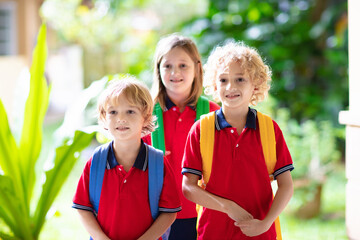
<point x="169" y="104"/>
<point x="140" y="161"/>
<point x="221" y="123"/>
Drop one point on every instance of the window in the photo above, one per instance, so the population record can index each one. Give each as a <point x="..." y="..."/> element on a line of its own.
<point x="8" y="36"/>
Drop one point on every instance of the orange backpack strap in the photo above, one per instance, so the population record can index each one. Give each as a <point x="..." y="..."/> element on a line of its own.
<point x="268" y="142"/>
<point x="207" y="139"/>
<point x="267" y="136"/>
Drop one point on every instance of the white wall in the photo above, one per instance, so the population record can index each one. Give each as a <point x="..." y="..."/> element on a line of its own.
<point x="351" y="119"/>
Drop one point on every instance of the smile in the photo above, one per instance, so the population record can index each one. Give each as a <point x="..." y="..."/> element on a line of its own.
<point x="176" y="81"/>
<point x="122" y="128"/>
<point x="232" y="95"/>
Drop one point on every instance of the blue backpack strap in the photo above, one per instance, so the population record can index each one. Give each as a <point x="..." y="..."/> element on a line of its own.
<point x="156" y="178"/>
<point x="97" y="170"/>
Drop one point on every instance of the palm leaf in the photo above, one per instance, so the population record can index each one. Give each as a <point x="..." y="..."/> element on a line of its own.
<point x="35" y="109"/>
<point x="66" y="157"/>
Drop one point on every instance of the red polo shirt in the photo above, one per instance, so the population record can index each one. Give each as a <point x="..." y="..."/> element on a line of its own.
<point x="124" y="210"/>
<point x="238" y="173"/>
<point x="176" y="128"/>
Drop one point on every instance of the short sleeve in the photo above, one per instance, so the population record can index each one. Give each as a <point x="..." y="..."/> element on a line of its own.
<point x="284" y="161"/>
<point x="169" y="198"/>
<point x="81" y="199"/>
<point x="192" y="161"/>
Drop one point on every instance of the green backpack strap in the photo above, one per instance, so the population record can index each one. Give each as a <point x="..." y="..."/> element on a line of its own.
<point x="202" y="107"/>
<point x="157" y="136"/>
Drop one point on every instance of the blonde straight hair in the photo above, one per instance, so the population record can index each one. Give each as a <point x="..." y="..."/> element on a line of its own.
<point x="164" y="46"/>
<point x="136" y="93"/>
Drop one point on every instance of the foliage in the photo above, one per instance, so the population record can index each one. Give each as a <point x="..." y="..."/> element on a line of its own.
<point x="304" y="42"/>
<point x="312" y="144"/>
<point x="116" y="36"/>
<point x="18" y="161"/>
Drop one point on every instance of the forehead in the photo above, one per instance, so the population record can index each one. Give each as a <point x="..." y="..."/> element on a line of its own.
<point x="177" y="53"/>
<point x="119" y="101"/>
<point x="231" y="67"/>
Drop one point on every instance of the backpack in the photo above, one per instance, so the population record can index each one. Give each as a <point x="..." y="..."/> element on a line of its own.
<point x="156" y="174"/>
<point x="157" y="136"/>
<point x="207" y="139"/>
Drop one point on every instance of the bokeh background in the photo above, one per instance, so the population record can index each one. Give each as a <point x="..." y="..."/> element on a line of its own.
<point x="304" y="41"/>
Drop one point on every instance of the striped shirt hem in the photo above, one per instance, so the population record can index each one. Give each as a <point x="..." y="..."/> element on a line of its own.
<point x="81" y="207"/>
<point x="289" y="167"/>
<point x="169" y="210"/>
<point x="193" y="171"/>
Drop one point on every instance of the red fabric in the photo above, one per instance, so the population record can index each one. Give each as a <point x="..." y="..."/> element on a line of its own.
<point x="238" y="173"/>
<point x="176" y="127"/>
<point x="124" y="210"/>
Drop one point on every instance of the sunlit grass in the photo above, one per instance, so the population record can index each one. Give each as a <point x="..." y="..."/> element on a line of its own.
<point x="330" y="224"/>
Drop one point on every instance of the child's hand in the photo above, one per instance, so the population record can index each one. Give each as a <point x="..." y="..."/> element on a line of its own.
<point x="237" y="213"/>
<point x="253" y="227"/>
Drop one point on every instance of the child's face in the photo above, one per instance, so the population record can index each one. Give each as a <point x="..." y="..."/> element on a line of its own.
<point x="177" y="71"/>
<point x="124" y="121"/>
<point x="233" y="86"/>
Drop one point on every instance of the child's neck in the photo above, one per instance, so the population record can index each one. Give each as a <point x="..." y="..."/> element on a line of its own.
<point x="179" y="100"/>
<point x="236" y="117"/>
<point x="126" y="152"/>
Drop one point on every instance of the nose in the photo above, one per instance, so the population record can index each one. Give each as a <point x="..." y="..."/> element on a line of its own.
<point x="175" y="70"/>
<point x="121" y="119"/>
<point x="230" y="85"/>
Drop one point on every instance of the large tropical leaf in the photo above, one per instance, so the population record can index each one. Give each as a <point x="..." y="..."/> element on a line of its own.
<point x="11" y="209"/>
<point x="13" y="215"/>
<point x="8" y="148"/>
<point x="66" y="157"/>
<point x="35" y="109"/>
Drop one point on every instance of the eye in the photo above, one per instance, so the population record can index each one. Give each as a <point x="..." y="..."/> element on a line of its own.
<point x="183" y="65"/>
<point x="130" y="112"/>
<point x="222" y="80"/>
<point x="240" y="79"/>
<point x="112" y="112"/>
<point x="167" y="66"/>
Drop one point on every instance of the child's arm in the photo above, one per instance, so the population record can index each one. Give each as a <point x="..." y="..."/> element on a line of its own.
<point x="91" y="225"/>
<point x="159" y="226"/>
<point x="282" y="197"/>
<point x="196" y="194"/>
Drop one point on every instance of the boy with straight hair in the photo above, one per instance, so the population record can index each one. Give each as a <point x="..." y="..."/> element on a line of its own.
<point x="123" y="210"/>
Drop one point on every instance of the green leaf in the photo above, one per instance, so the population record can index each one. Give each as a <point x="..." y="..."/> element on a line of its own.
<point x="65" y="158"/>
<point x="4" y="236"/>
<point x="35" y="109"/>
<point x="8" y="148"/>
<point x="9" y="162"/>
<point x="10" y="210"/>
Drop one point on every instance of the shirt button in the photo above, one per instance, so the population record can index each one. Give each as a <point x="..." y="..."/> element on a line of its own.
<point x="119" y="169"/>
<point x="125" y="181"/>
<point x="180" y="119"/>
<point x="232" y="131"/>
<point x="174" y="108"/>
<point x="237" y="145"/>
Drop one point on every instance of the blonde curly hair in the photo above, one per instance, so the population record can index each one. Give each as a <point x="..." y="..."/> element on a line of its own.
<point x="137" y="95"/>
<point x="248" y="58"/>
